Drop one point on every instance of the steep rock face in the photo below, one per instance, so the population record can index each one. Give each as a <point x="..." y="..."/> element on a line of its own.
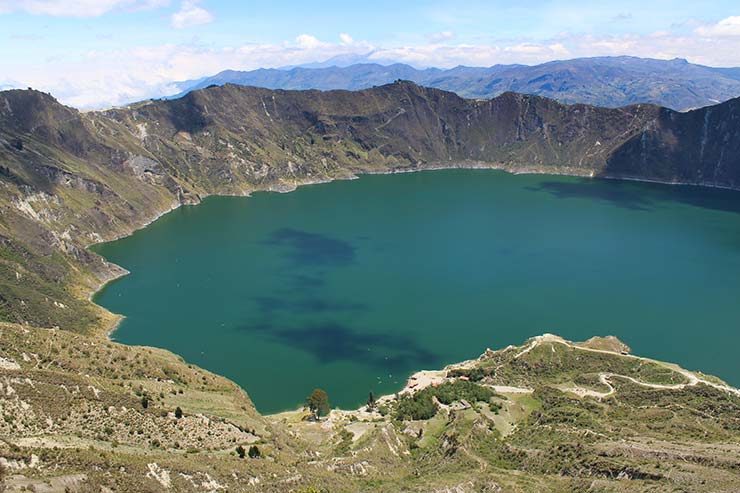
<point x="400" y="123"/>
<point x="68" y="179"/>
<point x="701" y="146"/>
<point x="39" y="115"/>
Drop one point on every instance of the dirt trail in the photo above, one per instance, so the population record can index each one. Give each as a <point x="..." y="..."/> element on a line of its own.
<point x="692" y="378"/>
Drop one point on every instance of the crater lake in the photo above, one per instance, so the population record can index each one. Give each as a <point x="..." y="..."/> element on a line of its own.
<point x="351" y="286"/>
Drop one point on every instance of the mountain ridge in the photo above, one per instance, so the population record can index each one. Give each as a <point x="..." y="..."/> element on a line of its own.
<point x="601" y="81"/>
<point x="71" y="179"/>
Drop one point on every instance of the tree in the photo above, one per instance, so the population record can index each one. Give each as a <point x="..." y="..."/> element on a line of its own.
<point x="240" y="451"/>
<point x="318" y="403"/>
<point x="178" y="412"/>
<point x="254" y="452"/>
<point x="371" y="401"/>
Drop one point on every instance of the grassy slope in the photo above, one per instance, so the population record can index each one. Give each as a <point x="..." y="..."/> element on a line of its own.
<point x="75" y="404"/>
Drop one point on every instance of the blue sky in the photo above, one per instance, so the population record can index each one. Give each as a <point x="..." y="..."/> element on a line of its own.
<point x="93" y="53"/>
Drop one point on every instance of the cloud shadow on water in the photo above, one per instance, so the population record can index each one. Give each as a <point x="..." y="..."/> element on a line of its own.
<point x="308" y="249"/>
<point x="705" y="198"/>
<point x="331" y="342"/>
<point x="620" y="194"/>
<point x="643" y="196"/>
<point x="301" y="282"/>
<point x="269" y="305"/>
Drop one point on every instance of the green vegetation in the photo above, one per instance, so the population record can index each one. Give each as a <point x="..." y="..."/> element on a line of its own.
<point x="318" y="403"/>
<point x="370" y="401"/>
<point x="254" y="452"/>
<point x="421" y="404"/>
<point x="547" y="440"/>
<point x="560" y="364"/>
<point x="475" y="374"/>
<point x="459" y="390"/>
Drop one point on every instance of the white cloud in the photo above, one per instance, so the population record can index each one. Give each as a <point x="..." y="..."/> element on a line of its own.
<point x="559" y="49"/>
<point x="191" y="14"/>
<point x="726" y="27"/>
<point x="346" y="39"/>
<point x="76" y="8"/>
<point x="308" y="42"/>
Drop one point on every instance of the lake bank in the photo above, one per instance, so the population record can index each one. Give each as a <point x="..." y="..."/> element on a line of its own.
<point x="307" y="265"/>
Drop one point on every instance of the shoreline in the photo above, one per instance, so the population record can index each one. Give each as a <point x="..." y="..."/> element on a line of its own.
<point x="422" y="379"/>
<point x="117" y="272"/>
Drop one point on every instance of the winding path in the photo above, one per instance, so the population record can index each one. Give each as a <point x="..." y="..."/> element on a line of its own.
<point x="604" y="378"/>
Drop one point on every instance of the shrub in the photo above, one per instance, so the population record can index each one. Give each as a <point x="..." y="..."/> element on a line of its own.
<point x="473" y="374"/>
<point x="421" y="405"/>
<point x="449" y="392"/>
<point x="418" y="406"/>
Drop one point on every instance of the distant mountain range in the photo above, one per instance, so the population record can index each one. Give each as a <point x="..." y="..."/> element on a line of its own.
<point x="603" y="81"/>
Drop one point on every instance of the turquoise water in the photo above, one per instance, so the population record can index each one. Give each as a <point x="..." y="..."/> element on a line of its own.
<point x="351" y="286"/>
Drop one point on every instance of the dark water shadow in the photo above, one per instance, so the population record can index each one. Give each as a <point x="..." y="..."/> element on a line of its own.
<point x="615" y="193"/>
<point x="302" y="282"/>
<point x="331" y="342"/>
<point x="268" y="305"/>
<point x="643" y="196"/>
<point x="705" y="198"/>
<point x="309" y="249"/>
